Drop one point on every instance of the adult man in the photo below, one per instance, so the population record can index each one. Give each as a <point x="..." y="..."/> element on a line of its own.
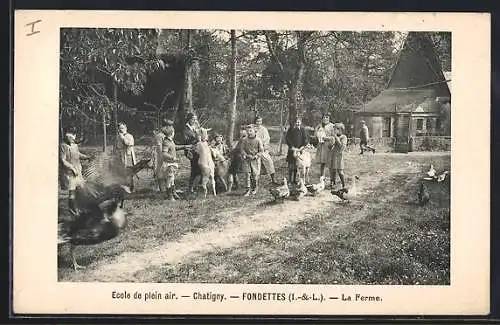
<point x="364" y="136"/>
<point x="296" y="137"/>
<point x="265" y="157"/>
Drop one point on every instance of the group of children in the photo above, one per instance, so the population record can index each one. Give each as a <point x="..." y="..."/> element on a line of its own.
<point x="332" y="143"/>
<point x="245" y="158"/>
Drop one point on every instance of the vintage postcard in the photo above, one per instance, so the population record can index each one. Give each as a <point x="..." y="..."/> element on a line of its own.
<point x="247" y="163"/>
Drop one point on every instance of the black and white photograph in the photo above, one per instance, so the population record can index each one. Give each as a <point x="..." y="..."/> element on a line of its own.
<point x="258" y="156"/>
<point x="252" y="156"/>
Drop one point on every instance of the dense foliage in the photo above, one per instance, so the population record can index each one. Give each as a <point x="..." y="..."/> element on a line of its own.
<point x="313" y="71"/>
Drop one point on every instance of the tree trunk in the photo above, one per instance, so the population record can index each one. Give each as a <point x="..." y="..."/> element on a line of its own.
<point x="188" y="80"/>
<point x="233" y="92"/>
<point x="186" y="100"/>
<point x="295" y="93"/>
<point x="105" y="143"/>
<point x="205" y="93"/>
<point x="115" y="104"/>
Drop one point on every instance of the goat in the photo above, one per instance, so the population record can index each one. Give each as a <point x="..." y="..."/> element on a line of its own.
<point x="205" y="161"/>
<point x="303" y="160"/>
<point x="221" y="166"/>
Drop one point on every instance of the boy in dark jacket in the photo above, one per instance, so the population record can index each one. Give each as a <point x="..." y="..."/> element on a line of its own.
<point x="236" y="161"/>
<point x="296" y="137"/>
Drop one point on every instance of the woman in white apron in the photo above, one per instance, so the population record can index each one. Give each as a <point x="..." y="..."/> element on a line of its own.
<point x="125" y="150"/>
<point x="324" y="132"/>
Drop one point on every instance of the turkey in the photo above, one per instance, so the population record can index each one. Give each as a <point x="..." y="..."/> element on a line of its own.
<point x="281" y="192"/>
<point x="106" y="178"/>
<point x="99" y="197"/>
<point x="299" y="191"/>
<point x="318" y="187"/>
<point x="92" y="226"/>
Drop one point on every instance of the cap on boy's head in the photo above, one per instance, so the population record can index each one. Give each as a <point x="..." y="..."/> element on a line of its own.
<point x="168" y="122"/>
<point x="189" y="116"/>
<point x="168" y="131"/>
<point x="70" y="130"/>
<point x="362" y="122"/>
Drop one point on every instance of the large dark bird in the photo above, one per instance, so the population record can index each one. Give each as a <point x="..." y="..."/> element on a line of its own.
<point x="99" y="200"/>
<point x="106" y="178"/>
<point x="92" y="226"/>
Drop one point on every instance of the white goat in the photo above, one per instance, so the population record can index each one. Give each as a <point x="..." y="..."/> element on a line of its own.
<point x="303" y="160"/>
<point x="206" y="162"/>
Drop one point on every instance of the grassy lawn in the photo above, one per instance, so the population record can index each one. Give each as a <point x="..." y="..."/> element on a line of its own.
<point x="380" y="237"/>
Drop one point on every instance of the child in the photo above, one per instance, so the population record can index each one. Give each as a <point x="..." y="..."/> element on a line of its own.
<point x="337" y="154"/>
<point x="221" y="146"/>
<point x="158" y="137"/>
<point x="220" y="155"/>
<point x="364" y="136"/>
<point x="70" y="166"/>
<point x="251" y="150"/>
<point x="236" y="161"/>
<point x="168" y="164"/>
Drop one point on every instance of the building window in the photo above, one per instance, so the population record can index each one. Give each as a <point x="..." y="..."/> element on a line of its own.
<point x="386" y="131"/>
<point x="420" y="124"/>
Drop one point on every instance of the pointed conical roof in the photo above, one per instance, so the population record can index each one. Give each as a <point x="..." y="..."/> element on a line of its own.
<point x="416" y="81"/>
<point x="418" y="66"/>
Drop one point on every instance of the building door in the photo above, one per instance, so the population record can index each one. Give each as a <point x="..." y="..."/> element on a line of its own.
<point x="386" y="130"/>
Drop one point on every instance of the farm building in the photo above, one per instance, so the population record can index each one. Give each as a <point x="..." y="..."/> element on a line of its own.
<point x="418" y="91"/>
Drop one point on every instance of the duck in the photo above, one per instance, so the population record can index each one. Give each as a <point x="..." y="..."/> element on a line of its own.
<point x="299" y="191"/>
<point x="281" y="192"/>
<point x="341" y="194"/>
<point x="431" y="172"/>
<point x="441" y="177"/>
<point x="92" y="226"/>
<point x="318" y="187"/>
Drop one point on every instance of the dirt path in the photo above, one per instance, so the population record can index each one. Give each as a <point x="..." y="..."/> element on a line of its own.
<point x="243" y="224"/>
